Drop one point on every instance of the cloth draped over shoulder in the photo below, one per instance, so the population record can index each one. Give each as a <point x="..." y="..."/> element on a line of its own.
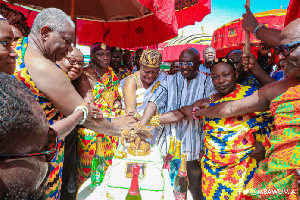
<point x="172" y="93"/>
<point x="142" y="98"/>
<point x="105" y="93"/>
<point x="276" y="177"/>
<point x="226" y="164"/>
<point x="55" y="178"/>
<point x="142" y="95"/>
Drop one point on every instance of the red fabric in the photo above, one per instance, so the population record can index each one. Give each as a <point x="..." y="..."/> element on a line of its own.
<point x="143" y="47"/>
<point x="150" y="30"/>
<point x="194" y="13"/>
<point x="293" y="12"/>
<point x="142" y="32"/>
<point x="171" y="53"/>
<point x="234" y="34"/>
<point x="223" y="52"/>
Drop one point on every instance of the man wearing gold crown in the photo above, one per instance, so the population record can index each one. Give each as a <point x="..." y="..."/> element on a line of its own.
<point x="103" y="93"/>
<point x="137" y="88"/>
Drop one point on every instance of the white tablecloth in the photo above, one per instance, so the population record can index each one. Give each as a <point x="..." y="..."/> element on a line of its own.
<point x="90" y="193"/>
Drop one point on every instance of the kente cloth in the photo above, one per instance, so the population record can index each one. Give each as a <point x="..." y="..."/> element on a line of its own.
<point x="53" y="187"/>
<point x="20" y="47"/>
<point x="123" y="72"/>
<point x="251" y="81"/>
<point x="226" y="164"/>
<point x="105" y="93"/>
<point x="173" y="93"/>
<point x="276" y="176"/>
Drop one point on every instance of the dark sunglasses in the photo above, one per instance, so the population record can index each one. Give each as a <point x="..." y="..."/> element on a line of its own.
<point x="286" y="48"/>
<point x="73" y="61"/>
<point x="189" y="64"/>
<point x="50" y="148"/>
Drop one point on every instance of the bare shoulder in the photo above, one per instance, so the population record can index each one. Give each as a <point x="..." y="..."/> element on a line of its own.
<point x="42" y="70"/>
<point x="130" y="81"/>
<point x="273" y="90"/>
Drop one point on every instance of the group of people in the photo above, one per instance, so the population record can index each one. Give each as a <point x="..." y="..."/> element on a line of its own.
<point x="238" y="124"/>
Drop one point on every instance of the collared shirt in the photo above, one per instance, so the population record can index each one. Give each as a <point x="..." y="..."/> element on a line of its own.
<point x="173" y="93"/>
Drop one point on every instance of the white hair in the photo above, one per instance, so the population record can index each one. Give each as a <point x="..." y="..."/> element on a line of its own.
<point x="55" y="18"/>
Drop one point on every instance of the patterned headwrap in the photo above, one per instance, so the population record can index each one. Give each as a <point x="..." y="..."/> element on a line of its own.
<point x="223" y="60"/>
<point x="99" y="46"/>
<point x="117" y="49"/>
<point x="151" y="58"/>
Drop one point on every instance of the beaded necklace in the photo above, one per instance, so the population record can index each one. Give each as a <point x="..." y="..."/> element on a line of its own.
<point x="108" y="73"/>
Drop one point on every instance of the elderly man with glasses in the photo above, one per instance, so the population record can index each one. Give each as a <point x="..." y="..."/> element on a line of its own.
<point x="28" y="143"/>
<point x="175" y="91"/>
<point x="50" y="40"/>
<point x="277" y="176"/>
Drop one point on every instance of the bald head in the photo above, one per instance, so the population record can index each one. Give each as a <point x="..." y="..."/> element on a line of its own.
<point x="192" y="52"/>
<point x="189" y="61"/>
<point x="76" y="52"/>
<point x="291" y="32"/>
<point x="290" y="60"/>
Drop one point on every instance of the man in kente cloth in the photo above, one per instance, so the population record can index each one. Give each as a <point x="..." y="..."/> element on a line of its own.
<point x="50" y="40"/>
<point x="116" y="63"/>
<point x="137" y="88"/>
<point x="276" y="177"/>
<point x="103" y="93"/>
<point x="233" y="146"/>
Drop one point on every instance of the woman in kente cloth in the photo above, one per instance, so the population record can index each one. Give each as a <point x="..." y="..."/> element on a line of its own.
<point x="232" y="145"/>
<point x="103" y="92"/>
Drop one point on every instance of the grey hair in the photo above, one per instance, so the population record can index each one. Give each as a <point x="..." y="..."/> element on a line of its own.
<point x="54" y="18"/>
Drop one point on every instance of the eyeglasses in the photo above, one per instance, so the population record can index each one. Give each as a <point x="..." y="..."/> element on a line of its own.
<point x="286" y="49"/>
<point x="50" y="148"/>
<point x="189" y="64"/>
<point x="73" y="61"/>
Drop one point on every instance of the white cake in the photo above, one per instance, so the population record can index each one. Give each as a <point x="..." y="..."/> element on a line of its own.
<point x="151" y="178"/>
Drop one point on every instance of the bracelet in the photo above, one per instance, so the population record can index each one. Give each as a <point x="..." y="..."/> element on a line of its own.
<point x="154" y="121"/>
<point x="85" y="111"/>
<point x="256" y="29"/>
<point x="194" y="113"/>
